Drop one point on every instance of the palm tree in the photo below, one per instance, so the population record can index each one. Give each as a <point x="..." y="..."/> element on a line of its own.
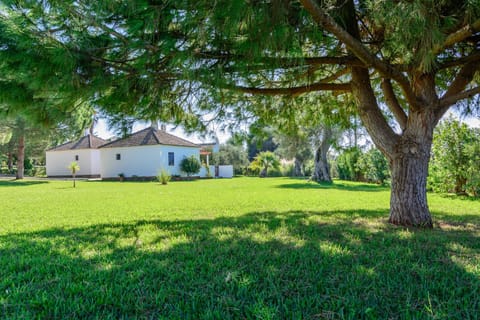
<point x="263" y="161"/>
<point x="74" y="167"/>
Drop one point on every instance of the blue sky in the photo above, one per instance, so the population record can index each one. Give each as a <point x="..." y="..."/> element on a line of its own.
<point x="101" y="130"/>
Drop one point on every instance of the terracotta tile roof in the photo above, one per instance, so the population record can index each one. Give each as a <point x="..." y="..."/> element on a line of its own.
<point x="85" y="142"/>
<point x="150" y="136"/>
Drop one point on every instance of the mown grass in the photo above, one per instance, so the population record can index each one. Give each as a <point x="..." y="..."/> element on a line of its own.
<point x="245" y="248"/>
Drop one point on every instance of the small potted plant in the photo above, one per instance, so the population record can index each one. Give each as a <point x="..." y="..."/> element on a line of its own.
<point x="121" y="176"/>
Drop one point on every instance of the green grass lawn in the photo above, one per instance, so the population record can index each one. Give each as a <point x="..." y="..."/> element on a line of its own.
<point x="245" y="248"/>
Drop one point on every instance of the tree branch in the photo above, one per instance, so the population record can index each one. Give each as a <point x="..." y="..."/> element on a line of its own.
<point x="285" y="62"/>
<point x="372" y="117"/>
<point x="463" y="78"/>
<point x="459" y="36"/>
<point x="335" y="76"/>
<point x="454" y="92"/>
<point x="393" y="104"/>
<point x="446" y="102"/>
<point x="319" y="86"/>
<point x="460" y="61"/>
<point x="357" y="48"/>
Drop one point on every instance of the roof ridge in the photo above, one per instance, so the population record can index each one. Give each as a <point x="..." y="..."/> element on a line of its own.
<point x="172" y="135"/>
<point x="78" y="142"/>
<point x="155" y="134"/>
<point x="149" y="136"/>
<point x="60" y="145"/>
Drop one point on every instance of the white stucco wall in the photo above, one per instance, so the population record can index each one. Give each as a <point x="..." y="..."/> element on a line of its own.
<point x="225" y="171"/>
<point x="88" y="159"/>
<point x="142" y="161"/>
<point x="96" y="165"/>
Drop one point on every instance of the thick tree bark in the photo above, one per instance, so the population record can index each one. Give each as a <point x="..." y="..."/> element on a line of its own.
<point x="409" y="166"/>
<point x="408" y="199"/>
<point x="321" y="172"/>
<point x="20" y="156"/>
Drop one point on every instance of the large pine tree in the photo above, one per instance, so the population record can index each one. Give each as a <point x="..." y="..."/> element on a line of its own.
<point x="411" y="60"/>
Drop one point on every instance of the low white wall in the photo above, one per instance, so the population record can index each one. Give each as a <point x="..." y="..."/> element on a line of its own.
<point x="57" y="162"/>
<point x="203" y="171"/>
<point x="143" y="161"/>
<point x="225" y="171"/>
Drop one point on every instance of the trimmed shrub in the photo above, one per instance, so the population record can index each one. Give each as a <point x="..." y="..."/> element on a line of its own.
<point x="190" y="165"/>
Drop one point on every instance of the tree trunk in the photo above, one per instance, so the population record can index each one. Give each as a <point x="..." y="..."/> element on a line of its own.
<point x="408" y="200"/>
<point x="264" y="172"/>
<point x="409" y="166"/>
<point x="321" y="171"/>
<point x="297" y="168"/>
<point x="20" y="156"/>
<point x="460" y="183"/>
<point x="10" y="162"/>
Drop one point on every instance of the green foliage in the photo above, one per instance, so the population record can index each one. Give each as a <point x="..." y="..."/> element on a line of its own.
<point x="373" y="166"/>
<point x="347" y="167"/>
<point x="190" y="165"/>
<point x="229" y="154"/>
<point x="275" y="172"/>
<point x="39" y="172"/>
<point x="208" y="173"/>
<point x="74" y="168"/>
<point x="264" y="161"/>
<point x="260" y="139"/>
<point x="279" y="248"/>
<point x="28" y="166"/>
<point x="288" y="170"/>
<point x="163" y="176"/>
<point x="455" y="162"/>
<point x="294" y="146"/>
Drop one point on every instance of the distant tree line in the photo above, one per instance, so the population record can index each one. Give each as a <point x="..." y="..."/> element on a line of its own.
<point x="454" y="165"/>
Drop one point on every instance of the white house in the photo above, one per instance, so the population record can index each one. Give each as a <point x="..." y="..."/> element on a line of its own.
<point x="84" y="151"/>
<point x="144" y="153"/>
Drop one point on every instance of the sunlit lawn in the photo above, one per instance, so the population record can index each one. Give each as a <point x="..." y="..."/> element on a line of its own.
<point x="243" y="248"/>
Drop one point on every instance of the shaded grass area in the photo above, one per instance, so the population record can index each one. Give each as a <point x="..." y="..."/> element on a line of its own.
<point x="344" y="186"/>
<point x="228" y="257"/>
<point x="19" y="183"/>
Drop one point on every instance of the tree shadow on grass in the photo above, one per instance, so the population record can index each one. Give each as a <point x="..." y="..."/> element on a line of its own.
<point x="464" y="220"/>
<point x="460" y="197"/>
<point x="20" y="183"/>
<point x="286" y="265"/>
<point x="305" y="184"/>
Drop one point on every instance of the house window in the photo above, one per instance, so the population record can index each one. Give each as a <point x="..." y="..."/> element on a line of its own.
<point x="76" y="157"/>
<point x="171" y="159"/>
<point x="117" y="156"/>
